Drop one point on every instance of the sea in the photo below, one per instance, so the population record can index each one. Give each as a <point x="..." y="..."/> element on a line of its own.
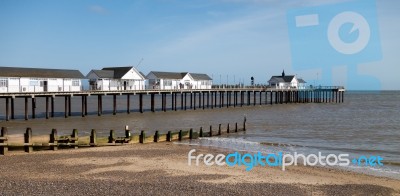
<point x="367" y="123"/>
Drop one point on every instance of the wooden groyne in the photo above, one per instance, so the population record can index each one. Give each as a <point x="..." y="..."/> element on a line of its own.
<point x="74" y="141"/>
<point x="189" y="99"/>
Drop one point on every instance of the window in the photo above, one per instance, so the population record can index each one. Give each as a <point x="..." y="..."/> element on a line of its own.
<point x="33" y="82"/>
<point x="75" y="82"/>
<point x="3" y="82"/>
<point x="168" y="83"/>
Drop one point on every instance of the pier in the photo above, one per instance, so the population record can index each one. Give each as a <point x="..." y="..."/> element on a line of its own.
<point x="189" y="99"/>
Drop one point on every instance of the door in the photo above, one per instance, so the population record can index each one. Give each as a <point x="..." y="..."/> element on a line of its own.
<point x="45" y="86"/>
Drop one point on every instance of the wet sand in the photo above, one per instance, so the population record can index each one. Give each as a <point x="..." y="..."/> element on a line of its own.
<point x="162" y="169"/>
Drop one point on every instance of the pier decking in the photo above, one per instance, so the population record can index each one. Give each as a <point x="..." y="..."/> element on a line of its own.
<point x="189" y="99"/>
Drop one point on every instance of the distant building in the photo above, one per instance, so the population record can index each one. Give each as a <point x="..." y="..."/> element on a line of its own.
<point x="286" y="82"/>
<point x="201" y="81"/>
<point x="15" y="79"/>
<point x="116" y="78"/>
<point x="177" y="80"/>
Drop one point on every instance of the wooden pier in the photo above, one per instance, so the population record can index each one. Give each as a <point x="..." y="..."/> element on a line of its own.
<point x="189" y="99"/>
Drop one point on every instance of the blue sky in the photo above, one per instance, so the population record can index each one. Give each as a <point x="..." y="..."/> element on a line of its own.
<point x="227" y="39"/>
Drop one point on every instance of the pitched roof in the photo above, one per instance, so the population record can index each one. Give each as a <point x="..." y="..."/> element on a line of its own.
<point x="104" y="73"/>
<point x="301" y="80"/>
<point x="200" y="76"/>
<point x="39" y="72"/>
<point x="283" y="78"/>
<point x="169" y="75"/>
<point x="119" y="72"/>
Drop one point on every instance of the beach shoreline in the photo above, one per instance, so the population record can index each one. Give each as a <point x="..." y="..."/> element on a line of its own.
<point x="162" y="169"/>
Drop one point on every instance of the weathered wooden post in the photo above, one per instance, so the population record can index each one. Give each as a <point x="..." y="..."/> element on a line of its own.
<point x="152" y="102"/>
<point x="111" y="138"/>
<point x="66" y="106"/>
<point x="219" y="130"/>
<point x="74" y="138"/>
<point x="12" y="108"/>
<point x="93" y="138"/>
<point x="54" y="140"/>
<point x="128" y="103"/>
<point x="28" y="140"/>
<point x="244" y="124"/>
<point x="52" y="106"/>
<point x="156" y="137"/>
<point x="142" y="137"/>
<point x="7" y="109"/>
<point x="4" y="141"/>
<point x="33" y="107"/>
<point x="180" y="136"/>
<point x="236" y="127"/>
<point x="201" y="132"/>
<point x="210" y="131"/>
<point x="26" y="108"/>
<point x="114" y="104"/>
<point x="227" y="128"/>
<point x="141" y="103"/>
<point x="191" y="133"/>
<point x="127" y="134"/>
<point x="169" y="136"/>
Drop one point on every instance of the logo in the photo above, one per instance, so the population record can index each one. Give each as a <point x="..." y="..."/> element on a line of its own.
<point x="334" y="35"/>
<point x="282" y="160"/>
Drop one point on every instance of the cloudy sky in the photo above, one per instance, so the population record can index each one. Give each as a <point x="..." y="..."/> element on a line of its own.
<point x="231" y="40"/>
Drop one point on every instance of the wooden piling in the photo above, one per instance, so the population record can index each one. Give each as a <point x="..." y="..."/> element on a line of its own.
<point x="244" y="124"/>
<point x="54" y="140"/>
<point x="210" y="135"/>
<point x="236" y="127"/>
<point x="142" y="137"/>
<point x="74" y="138"/>
<point x="26" y="108"/>
<point x="156" y="136"/>
<point x="152" y="102"/>
<point x="4" y="141"/>
<point x="47" y="107"/>
<point x="254" y="98"/>
<point x="86" y="105"/>
<point x="227" y="128"/>
<point x="128" y="103"/>
<point x="69" y="105"/>
<point x="93" y="138"/>
<point x="219" y="130"/>
<point x="28" y="146"/>
<point x="180" y="135"/>
<point x="191" y="134"/>
<point x="175" y="102"/>
<point x="194" y="100"/>
<point x="12" y="108"/>
<point x="83" y="105"/>
<point x="52" y="106"/>
<point x="165" y="102"/>
<point x="201" y="132"/>
<point x="33" y="107"/>
<point x="114" y="104"/>
<point x="111" y="137"/>
<point x="169" y="136"/>
<point x="127" y="134"/>
<point x="7" y="109"/>
<point x="66" y="106"/>
<point x="141" y="103"/>
<point x="99" y="105"/>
